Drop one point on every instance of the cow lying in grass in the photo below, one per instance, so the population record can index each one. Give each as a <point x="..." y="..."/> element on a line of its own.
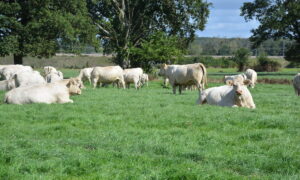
<point x="234" y="94"/>
<point x="54" y="76"/>
<point x="44" y="93"/>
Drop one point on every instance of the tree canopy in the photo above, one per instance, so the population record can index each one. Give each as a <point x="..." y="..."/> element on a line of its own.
<point x="278" y="19"/>
<point x="159" y="48"/>
<point x="37" y="27"/>
<point x="125" y="23"/>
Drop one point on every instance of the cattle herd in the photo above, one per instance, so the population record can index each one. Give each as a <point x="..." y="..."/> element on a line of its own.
<point x="25" y="85"/>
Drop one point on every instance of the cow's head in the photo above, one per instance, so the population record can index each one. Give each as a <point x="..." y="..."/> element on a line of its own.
<point x="162" y="71"/>
<point x="79" y="83"/>
<point x="73" y="87"/>
<point x="243" y="96"/>
<point x="239" y="86"/>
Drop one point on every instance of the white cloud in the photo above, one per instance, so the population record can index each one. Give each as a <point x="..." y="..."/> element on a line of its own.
<point x="225" y="20"/>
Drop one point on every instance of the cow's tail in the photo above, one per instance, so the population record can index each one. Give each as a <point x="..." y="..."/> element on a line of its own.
<point x="204" y="79"/>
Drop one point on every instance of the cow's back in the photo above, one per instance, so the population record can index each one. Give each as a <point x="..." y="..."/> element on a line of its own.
<point x="221" y="96"/>
<point x="108" y="74"/>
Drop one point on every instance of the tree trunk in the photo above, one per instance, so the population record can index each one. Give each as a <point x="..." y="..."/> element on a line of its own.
<point x="18" y="59"/>
<point x="122" y="58"/>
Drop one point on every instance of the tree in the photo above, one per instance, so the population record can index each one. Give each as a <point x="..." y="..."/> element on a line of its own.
<point x="241" y="58"/>
<point x="278" y="19"/>
<point x="158" y="48"/>
<point x="124" y="23"/>
<point x="37" y="27"/>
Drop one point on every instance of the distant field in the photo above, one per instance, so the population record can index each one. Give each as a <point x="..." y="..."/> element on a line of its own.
<point x="112" y="133"/>
<point x="62" y="61"/>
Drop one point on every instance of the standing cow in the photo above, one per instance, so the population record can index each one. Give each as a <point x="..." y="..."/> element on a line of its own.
<point x="251" y="75"/>
<point x="184" y="75"/>
<point x="296" y="84"/>
<point x="133" y="75"/>
<point x="85" y="74"/>
<point x="234" y="94"/>
<point x="108" y="74"/>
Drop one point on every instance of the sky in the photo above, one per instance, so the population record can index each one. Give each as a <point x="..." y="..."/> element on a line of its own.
<point x="225" y="20"/>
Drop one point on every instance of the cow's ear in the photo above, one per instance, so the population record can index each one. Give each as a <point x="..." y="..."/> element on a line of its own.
<point x="247" y="82"/>
<point x="229" y="82"/>
<point x="71" y="82"/>
<point x="15" y="76"/>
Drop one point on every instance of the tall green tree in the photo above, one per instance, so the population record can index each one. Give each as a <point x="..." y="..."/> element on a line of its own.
<point x="124" y="23"/>
<point x="37" y="27"/>
<point x="278" y="19"/>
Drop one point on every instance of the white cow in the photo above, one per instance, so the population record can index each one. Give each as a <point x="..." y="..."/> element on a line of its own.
<point x="145" y="79"/>
<point x="184" y="75"/>
<point x="108" y="74"/>
<point x="54" y="76"/>
<point x="234" y="94"/>
<point x="85" y="74"/>
<point x="28" y="78"/>
<point x="133" y="75"/>
<point x="45" y="93"/>
<point x="296" y="84"/>
<point x="251" y="75"/>
<point x="49" y="69"/>
<point x="9" y="71"/>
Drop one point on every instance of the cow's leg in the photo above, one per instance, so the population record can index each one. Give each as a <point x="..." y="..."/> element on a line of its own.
<point x="95" y="81"/>
<point x="174" y="89"/>
<point x="199" y="86"/>
<point x="122" y="82"/>
<point x="89" y="79"/>
<point x="180" y="89"/>
<point x="64" y="99"/>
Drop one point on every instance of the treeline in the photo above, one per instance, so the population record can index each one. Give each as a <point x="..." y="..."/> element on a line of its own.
<point x="228" y="46"/>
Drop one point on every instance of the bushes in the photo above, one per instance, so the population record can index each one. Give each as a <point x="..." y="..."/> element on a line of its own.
<point x="267" y="65"/>
<point x="241" y="57"/>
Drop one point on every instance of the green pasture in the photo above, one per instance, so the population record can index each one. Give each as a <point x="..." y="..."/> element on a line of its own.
<point x="110" y="133"/>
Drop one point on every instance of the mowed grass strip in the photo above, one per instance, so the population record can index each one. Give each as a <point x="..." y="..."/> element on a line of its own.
<point x="111" y="133"/>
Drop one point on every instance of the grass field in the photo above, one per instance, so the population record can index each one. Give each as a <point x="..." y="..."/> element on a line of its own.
<point x="152" y="134"/>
